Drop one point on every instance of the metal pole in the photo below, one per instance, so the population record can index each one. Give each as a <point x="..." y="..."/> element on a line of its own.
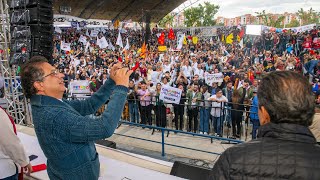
<point x="162" y="143"/>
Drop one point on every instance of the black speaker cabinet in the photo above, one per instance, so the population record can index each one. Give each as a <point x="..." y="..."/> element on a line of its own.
<point x="189" y="171"/>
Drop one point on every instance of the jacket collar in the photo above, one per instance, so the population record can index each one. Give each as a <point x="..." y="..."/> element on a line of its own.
<point x="285" y="131"/>
<point x="41" y="100"/>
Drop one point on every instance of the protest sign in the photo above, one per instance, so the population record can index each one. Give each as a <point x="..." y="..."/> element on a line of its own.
<point x="83" y="39"/>
<point x="79" y="87"/>
<point x="65" y="46"/>
<point x="94" y="33"/>
<point x="211" y="78"/>
<point x="170" y="94"/>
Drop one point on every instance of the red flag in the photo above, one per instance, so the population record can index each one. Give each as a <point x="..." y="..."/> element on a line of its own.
<point x="161" y="39"/>
<point x="171" y="35"/>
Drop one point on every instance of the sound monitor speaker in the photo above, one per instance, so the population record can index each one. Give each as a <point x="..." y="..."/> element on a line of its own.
<point x="107" y="143"/>
<point x="189" y="171"/>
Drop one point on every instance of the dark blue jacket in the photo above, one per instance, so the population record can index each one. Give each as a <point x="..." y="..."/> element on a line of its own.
<point x="67" y="136"/>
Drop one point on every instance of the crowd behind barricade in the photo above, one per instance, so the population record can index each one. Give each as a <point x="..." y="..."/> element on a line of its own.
<point x="203" y="104"/>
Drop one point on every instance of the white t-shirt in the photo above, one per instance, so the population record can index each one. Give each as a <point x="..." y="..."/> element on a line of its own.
<point x="216" y="106"/>
<point x="187" y="70"/>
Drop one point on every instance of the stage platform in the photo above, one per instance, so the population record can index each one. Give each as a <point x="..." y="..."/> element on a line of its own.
<point x="115" y="164"/>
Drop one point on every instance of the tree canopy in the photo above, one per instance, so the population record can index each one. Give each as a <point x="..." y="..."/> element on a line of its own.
<point x="202" y="15"/>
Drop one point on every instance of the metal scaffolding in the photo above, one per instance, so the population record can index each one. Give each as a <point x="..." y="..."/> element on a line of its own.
<point x="16" y="102"/>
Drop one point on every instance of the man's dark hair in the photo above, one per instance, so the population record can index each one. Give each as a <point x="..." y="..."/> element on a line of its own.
<point x="30" y="73"/>
<point x="246" y="81"/>
<point x="287" y="97"/>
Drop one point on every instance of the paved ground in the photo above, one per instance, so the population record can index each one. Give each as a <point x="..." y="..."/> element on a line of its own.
<point x="172" y="153"/>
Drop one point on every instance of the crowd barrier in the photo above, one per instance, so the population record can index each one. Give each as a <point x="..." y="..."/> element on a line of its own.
<point x="197" y="119"/>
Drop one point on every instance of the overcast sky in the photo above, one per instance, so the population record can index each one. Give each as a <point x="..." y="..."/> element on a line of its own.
<point x="233" y="8"/>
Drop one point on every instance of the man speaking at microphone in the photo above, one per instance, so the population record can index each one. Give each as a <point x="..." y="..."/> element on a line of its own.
<point x="66" y="135"/>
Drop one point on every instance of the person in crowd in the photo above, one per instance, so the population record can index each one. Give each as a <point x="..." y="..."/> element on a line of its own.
<point x="283" y="136"/>
<point x="236" y="114"/>
<point x="205" y="107"/>
<point x="66" y="135"/>
<point x="246" y="94"/>
<point x="12" y="153"/>
<point x="254" y="115"/>
<point x="218" y="103"/>
<point x="160" y="108"/>
<point x="309" y="69"/>
<point x="145" y="103"/>
<point x="133" y="102"/>
<point x="194" y="98"/>
<point x="179" y="109"/>
<point x="227" y="92"/>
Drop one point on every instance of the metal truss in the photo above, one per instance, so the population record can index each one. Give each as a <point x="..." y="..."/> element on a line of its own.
<point x="16" y="102"/>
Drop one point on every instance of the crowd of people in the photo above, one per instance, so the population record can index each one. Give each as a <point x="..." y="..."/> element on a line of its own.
<point x="206" y="105"/>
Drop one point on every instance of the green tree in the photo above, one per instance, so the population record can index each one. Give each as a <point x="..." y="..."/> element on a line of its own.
<point x="209" y="11"/>
<point x="293" y="23"/>
<point x="202" y="15"/>
<point x="308" y="17"/>
<point x="167" y="20"/>
<point x="269" y="20"/>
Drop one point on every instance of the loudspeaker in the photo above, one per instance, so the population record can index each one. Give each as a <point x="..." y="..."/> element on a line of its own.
<point x="107" y="143"/>
<point x="189" y="171"/>
<point x="16" y="4"/>
<point x="31" y="29"/>
<point x="148" y="30"/>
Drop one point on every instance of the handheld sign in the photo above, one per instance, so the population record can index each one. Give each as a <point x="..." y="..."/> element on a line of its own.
<point x="170" y="94"/>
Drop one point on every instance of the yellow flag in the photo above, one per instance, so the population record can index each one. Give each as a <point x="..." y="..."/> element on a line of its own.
<point x="229" y="39"/>
<point x="238" y="38"/>
<point x="162" y="48"/>
<point x="185" y="40"/>
<point x="222" y="38"/>
<point x="195" y="40"/>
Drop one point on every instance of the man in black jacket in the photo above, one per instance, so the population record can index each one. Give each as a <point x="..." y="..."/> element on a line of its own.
<point x="285" y="148"/>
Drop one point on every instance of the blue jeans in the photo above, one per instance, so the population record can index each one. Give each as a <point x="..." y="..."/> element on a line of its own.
<point x="217" y="125"/>
<point x="255" y="127"/>
<point x="228" y="114"/>
<point x="13" y="177"/>
<point x="204" y="120"/>
<point x="134" y="112"/>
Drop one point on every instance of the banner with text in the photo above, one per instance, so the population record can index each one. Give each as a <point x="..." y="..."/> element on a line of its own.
<point x="80" y="87"/>
<point x="170" y="94"/>
<point x="211" y="78"/>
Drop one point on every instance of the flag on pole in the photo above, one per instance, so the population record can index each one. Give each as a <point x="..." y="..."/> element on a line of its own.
<point x="87" y="46"/>
<point x="143" y="50"/>
<point x="102" y="42"/>
<point x="119" y="40"/>
<point x="180" y="42"/>
<point x="127" y="47"/>
<point x="111" y="46"/>
<point x="58" y="30"/>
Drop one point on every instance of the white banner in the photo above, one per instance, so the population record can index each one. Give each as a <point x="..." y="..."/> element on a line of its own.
<point x="65" y="46"/>
<point x="94" y="33"/>
<point x="211" y="78"/>
<point x="79" y="87"/>
<point x="254" y="30"/>
<point x="170" y="94"/>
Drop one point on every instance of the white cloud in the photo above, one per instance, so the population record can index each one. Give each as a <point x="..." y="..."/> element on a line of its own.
<point x="233" y="8"/>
